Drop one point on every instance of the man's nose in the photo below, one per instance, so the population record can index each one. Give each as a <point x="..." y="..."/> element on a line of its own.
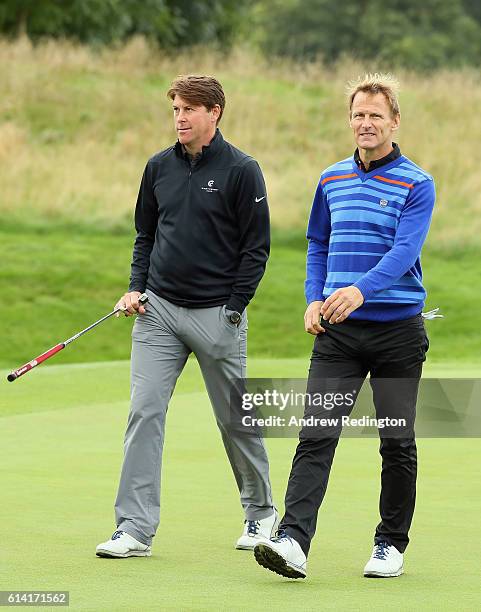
<point x="366" y="121"/>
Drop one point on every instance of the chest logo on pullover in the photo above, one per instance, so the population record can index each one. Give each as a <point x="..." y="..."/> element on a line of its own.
<point x="383" y="202"/>
<point x="210" y="187"/>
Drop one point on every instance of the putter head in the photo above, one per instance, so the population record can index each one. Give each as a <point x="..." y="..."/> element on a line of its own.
<point x="432" y="314"/>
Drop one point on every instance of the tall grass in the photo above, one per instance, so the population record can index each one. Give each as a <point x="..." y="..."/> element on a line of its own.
<point x="76" y="128"/>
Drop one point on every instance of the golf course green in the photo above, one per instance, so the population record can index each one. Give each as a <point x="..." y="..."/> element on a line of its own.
<point x="61" y="430"/>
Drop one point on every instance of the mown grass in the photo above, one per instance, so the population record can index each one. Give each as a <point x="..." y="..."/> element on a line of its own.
<point x="61" y="439"/>
<point x="59" y="279"/>
<point x="76" y="128"/>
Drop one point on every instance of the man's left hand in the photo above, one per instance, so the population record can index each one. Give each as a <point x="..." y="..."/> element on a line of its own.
<point x="341" y="303"/>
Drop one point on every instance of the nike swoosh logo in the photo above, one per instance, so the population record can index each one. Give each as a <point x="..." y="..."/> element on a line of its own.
<point x="260" y="199"/>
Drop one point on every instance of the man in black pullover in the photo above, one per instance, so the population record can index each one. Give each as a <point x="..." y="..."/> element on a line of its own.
<point x="202" y="244"/>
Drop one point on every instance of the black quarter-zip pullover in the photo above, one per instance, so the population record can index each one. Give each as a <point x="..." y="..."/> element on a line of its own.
<point x="203" y="228"/>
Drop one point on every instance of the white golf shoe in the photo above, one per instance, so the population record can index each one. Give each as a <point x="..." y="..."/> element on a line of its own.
<point x="122" y="545"/>
<point x="385" y="562"/>
<point x="256" y="531"/>
<point x="282" y="555"/>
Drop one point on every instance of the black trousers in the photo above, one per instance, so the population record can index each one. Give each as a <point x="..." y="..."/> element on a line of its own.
<point x="344" y="355"/>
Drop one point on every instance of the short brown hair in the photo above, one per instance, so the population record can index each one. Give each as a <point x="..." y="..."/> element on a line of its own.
<point x="376" y="83"/>
<point x="198" y="89"/>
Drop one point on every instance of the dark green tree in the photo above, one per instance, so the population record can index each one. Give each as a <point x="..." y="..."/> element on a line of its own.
<point x="420" y="35"/>
<point x="84" y="20"/>
<point x="473" y="9"/>
<point x="171" y="23"/>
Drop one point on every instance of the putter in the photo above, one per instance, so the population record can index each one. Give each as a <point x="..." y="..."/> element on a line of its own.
<point x="143" y="299"/>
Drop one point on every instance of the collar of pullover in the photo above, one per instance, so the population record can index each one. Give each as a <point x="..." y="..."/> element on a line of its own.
<point x="377" y="163"/>
<point x="207" y="152"/>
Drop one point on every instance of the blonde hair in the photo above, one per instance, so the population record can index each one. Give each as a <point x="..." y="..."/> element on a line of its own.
<point x="385" y="84"/>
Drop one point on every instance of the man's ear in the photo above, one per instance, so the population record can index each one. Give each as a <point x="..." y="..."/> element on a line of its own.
<point x="215" y="110"/>
<point x="396" y="122"/>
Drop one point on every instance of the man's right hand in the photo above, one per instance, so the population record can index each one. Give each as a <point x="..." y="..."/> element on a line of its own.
<point x="129" y="303"/>
<point x="312" y="318"/>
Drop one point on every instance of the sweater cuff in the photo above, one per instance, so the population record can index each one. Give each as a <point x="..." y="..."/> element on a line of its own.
<point x="313" y="292"/>
<point x="363" y="286"/>
<point x="236" y="304"/>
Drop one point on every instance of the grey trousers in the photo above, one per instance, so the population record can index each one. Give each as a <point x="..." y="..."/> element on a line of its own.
<point x="162" y="339"/>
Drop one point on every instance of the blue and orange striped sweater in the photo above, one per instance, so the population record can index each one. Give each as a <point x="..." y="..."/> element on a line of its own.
<point x="367" y="229"/>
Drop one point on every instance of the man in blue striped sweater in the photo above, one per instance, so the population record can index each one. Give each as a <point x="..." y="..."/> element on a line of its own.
<point x="370" y="217"/>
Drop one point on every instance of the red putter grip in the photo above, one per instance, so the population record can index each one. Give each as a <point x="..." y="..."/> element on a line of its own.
<point x="31" y="364"/>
